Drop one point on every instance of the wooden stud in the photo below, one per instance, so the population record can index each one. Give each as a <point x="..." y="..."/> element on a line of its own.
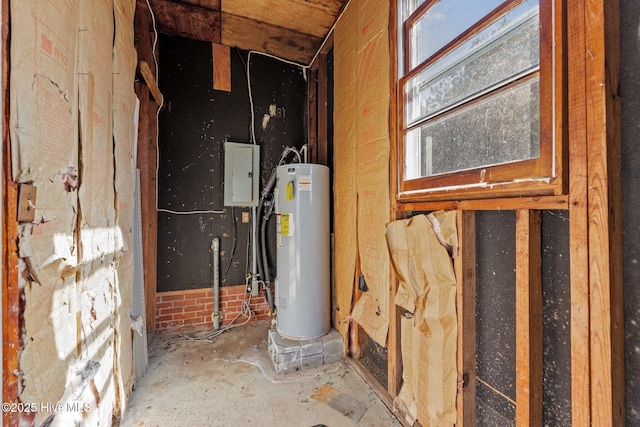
<point x="221" y="55"/>
<point x="322" y="120"/>
<point x="394" y="348"/>
<point x="395" y="363"/>
<point x="11" y="325"/>
<point x="543" y="202"/>
<point x="465" y="269"/>
<point x="150" y="80"/>
<point x="146" y="158"/>
<point x="312" y="116"/>
<point x="528" y="319"/>
<point x="604" y="207"/>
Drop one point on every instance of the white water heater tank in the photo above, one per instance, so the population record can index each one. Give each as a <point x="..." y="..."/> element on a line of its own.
<point x="302" y="286"/>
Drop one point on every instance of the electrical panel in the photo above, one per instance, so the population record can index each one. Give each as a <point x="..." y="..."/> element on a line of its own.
<point x="241" y="174"/>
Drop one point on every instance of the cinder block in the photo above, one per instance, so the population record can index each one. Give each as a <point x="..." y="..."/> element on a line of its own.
<point x="312" y="361"/>
<point x="282" y="345"/>
<point x="290" y="355"/>
<point x="310" y="348"/>
<point x="333" y="348"/>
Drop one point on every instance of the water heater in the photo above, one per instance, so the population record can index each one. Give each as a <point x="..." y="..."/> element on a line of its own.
<point x="302" y="286"/>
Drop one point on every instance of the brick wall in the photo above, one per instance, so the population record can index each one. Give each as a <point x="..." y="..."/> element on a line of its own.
<point x="193" y="309"/>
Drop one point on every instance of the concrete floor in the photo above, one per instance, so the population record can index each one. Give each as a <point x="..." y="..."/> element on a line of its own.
<point x="232" y="382"/>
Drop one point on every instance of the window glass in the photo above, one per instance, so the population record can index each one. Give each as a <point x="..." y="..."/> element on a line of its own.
<point x="410" y="6"/>
<point x="500" y="53"/>
<point x="501" y="128"/>
<point x="444" y="21"/>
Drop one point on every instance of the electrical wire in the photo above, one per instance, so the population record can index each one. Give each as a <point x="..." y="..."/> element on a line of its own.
<point x="233" y="248"/>
<point x="155" y="61"/>
<point x="209" y="336"/>
<point x="248" y="68"/>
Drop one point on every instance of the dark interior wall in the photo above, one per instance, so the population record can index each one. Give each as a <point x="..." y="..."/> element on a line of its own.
<point x="495" y="318"/>
<point x="194" y="123"/>
<point x="630" y="99"/>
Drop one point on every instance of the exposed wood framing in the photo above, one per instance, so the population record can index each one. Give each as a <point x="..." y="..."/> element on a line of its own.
<point x="249" y="34"/>
<point x="322" y="110"/>
<point x="147" y="156"/>
<point x="543" y="202"/>
<point x="528" y="319"/>
<point x="150" y="80"/>
<point x="465" y="269"/>
<point x="579" y="223"/>
<point x="185" y="20"/>
<point x="314" y="18"/>
<point x="597" y="339"/>
<point x="221" y="55"/>
<point x="11" y="323"/>
<point x="312" y="116"/>
<point x="604" y="207"/>
<point x="394" y="338"/>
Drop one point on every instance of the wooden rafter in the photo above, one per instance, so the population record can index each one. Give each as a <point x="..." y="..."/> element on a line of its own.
<point x="187" y="20"/>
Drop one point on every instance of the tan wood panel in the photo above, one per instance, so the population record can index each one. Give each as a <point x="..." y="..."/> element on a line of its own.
<point x="314" y="17"/>
<point x="221" y="67"/>
<point x="249" y="34"/>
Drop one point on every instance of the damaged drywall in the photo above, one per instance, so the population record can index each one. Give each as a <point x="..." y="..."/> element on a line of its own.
<point x="362" y="164"/>
<point x="72" y="74"/>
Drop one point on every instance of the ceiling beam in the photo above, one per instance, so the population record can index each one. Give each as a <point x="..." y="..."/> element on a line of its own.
<point x="193" y="20"/>
<point x="249" y="34"/>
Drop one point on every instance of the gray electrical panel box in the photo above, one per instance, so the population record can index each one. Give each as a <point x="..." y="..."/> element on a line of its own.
<point x="241" y="174"/>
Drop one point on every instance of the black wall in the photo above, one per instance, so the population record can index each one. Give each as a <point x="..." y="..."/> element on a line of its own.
<point x="194" y="123"/>
<point x="495" y="318"/>
<point x="630" y="98"/>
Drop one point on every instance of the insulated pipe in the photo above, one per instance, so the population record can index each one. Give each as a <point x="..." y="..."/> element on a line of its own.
<point x="265" y="261"/>
<point x="262" y="263"/>
<point x="215" y="272"/>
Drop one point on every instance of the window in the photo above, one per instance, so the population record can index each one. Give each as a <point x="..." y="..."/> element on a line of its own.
<point x="478" y="110"/>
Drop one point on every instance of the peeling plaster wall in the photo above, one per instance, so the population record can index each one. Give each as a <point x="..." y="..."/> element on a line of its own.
<point x="72" y="136"/>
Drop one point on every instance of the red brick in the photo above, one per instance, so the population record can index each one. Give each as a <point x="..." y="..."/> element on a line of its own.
<point x="171" y="310"/>
<point x="180" y="316"/>
<point x="232" y="304"/>
<point x="196" y="295"/>
<point x="166" y="318"/>
<point x="167" y="304"/>
<point x="165" y="298"/>
<point x="232" y="290"/>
